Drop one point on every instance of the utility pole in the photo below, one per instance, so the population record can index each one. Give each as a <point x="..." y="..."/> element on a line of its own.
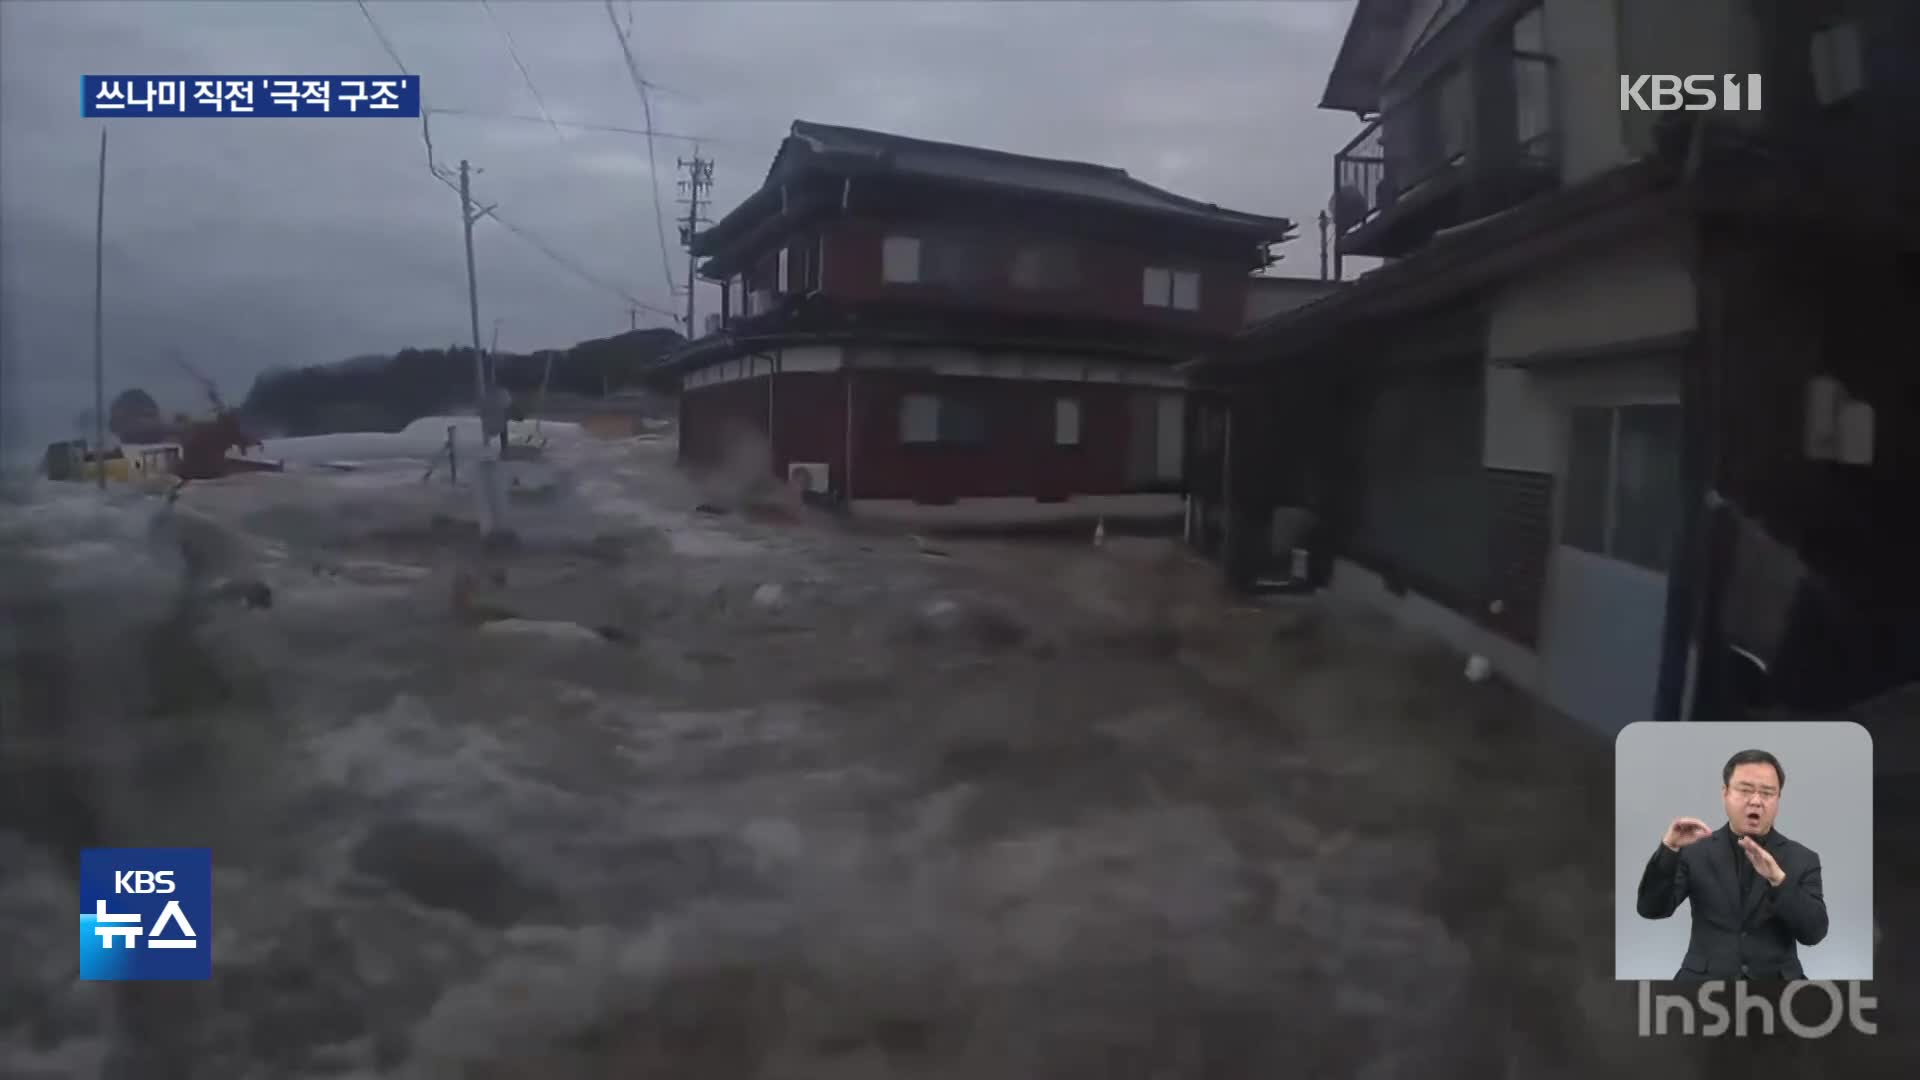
<point x="699" y="181"/>
<point x="99" y="366"/>
<point x="484" y="468"/>
<point x="1323" y="245"/>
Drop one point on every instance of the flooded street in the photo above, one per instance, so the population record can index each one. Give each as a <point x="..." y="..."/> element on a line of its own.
<point x="671" y="792"/>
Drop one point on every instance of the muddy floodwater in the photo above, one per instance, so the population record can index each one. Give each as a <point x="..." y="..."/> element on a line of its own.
<point x="675" y="787"/>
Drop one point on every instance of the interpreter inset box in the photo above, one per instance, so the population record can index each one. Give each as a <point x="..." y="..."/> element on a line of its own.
<point x="1743" y="851"/>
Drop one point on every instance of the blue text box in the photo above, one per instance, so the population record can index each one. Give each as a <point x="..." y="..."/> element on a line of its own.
<point x="250" y="95"/>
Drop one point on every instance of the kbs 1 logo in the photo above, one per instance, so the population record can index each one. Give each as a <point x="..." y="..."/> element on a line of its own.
<point x="1689" y="93"/>
<point x="146" y="913"/>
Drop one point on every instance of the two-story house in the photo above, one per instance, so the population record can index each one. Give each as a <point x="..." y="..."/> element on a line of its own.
<point x="1611" y="349"/>
<point x="918" y="328"/>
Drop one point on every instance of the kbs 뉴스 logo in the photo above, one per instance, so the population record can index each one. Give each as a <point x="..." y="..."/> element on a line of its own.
<point x="146" y="913"/>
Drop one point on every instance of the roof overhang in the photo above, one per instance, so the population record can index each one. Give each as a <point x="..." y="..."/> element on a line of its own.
<point x="1366" y="53"/>
<point x="1628" y="198"/>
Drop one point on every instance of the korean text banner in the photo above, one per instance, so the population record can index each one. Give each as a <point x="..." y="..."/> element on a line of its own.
<point x="250" y="95"/>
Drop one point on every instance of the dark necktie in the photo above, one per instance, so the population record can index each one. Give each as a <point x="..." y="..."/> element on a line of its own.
<point x="1743" y="870"/>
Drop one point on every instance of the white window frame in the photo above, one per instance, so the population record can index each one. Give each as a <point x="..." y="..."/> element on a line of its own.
<point x="1837" y="62"/>
<point x="1163" y="287"/>
<point x="1609" y="547"/>
<point x="1156" y="286"/>
<point x="919" y="419"/>
<point x="1186" y="290"/>
<point x="783" y="280"/>
<point x="1066" y="421"/>
<point x="900" y="260"/>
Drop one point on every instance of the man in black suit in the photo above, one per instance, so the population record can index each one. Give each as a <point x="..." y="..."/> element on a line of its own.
<point x="1755" y="893"/>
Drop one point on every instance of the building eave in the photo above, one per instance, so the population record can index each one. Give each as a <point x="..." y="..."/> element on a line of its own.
<point x="869" y="325"/>
<point x="1366" y="53"/>
<point x="1479" y="255"/>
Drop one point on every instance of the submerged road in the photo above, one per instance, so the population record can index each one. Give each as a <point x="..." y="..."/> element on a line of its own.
<point x="675" y="793"/>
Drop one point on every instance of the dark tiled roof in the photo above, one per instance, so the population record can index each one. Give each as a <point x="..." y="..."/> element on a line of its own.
<point x="833" y="151"/>
<point x="997" y="168"/>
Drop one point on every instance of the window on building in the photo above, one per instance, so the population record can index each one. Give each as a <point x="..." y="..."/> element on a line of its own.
<point x="1066" y="421"/>
<point x="958" y="261"/>
<point x="1839" y="427"/>
<point x="1530" y="32"/>
<point x="940" y="418"/>
<point x="801" y="265"/>
<point x="900" y="259"/>
<point x="1837" y="62"/>
<point x="1623" y="497"/>
<point x="1533" y="74"/>
<point x="1156" y="450"/>
<point x="1165" y="288"/>
<point x="1048" y="267"/>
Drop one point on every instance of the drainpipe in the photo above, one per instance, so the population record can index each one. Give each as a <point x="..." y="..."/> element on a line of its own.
<point x="1687" y="637"/>
<point x="846" y="471"/>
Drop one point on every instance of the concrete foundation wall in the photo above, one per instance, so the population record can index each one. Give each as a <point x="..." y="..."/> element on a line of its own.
<point x="1355" y="585"/>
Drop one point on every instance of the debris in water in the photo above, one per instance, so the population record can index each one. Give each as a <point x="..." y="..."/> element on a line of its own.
<point x="925" y="548"/>
<point x="551" y="629"/>
<point x="769" y="597"/>
<point x="444" y="868"/>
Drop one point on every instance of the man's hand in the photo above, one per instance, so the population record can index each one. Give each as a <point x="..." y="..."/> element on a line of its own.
<point x="1763" y="861"/>
<point x="1685" y="831"/>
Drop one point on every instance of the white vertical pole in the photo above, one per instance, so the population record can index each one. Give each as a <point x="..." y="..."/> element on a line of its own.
<point x="484" y="464"/>
<point x="99" y="366"/>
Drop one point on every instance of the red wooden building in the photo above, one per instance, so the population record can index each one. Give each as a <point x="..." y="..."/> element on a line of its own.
<point x="929" y="330"/>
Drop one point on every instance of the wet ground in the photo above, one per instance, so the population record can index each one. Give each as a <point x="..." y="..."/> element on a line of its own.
<point x="666" y="792"/>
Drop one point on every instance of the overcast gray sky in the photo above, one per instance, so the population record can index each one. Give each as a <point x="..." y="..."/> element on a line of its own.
<point x="251" y="243"/>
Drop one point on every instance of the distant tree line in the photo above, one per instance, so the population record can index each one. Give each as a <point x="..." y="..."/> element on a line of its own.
<point x="386" y="393"/>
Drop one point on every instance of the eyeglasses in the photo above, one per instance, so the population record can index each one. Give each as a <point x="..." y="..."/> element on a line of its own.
<point x="1748" y="791"/>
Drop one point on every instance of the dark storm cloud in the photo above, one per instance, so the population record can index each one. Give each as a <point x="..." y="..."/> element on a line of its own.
<point x="249" y="244"/>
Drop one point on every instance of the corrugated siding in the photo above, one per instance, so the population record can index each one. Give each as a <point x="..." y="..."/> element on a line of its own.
<point x="1519" y="542"/>
<point x="1424" y="515"/>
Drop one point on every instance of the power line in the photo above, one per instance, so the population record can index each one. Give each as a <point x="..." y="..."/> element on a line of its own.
<point x="653" y="170"/>
<point x="446" y="178"/>
<point x="381" y="35"/>
<point x="583" y="126"/>
<point x="426" y="132"/>
<point x="576" y="269"/>
<point x="525" y="76"/>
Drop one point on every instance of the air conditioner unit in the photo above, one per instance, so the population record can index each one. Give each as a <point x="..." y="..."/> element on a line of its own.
<point x="713" y="323"/>
<point x="760" y="301"/>
<point x="809" y="477"/>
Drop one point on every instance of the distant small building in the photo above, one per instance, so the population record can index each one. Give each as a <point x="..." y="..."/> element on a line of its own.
<point x="1268" y="295"/>
<point x="913" y="325"/>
